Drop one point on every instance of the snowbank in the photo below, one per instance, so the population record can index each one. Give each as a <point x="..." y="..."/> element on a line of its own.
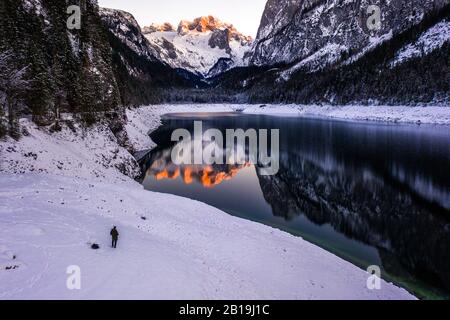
<point x="144" y="120"/>
<point x="141" y="122"/>
<point x="399" y="114"/>
<point x="86" y="153"/>
<point x="396" y="114"/>
<point x="182" y="250"/>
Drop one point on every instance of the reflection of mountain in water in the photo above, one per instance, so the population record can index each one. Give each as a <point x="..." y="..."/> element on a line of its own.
<point x="384" y="185"/>
<point x="161" y="167"/>
<point x="208" y="175"/>
<point x="361" y="206"/>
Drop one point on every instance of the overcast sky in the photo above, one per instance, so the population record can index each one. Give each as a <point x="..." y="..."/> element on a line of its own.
<point x="245" y="15"/>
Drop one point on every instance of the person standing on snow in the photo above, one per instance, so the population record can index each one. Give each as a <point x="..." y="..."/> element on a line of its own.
<point x="115" y="236"/>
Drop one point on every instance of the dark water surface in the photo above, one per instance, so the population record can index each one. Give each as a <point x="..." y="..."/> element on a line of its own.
<point x="374" y="194"/>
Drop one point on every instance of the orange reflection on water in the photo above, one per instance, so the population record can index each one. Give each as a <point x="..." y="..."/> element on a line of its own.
<point x="165" y="174"/>
<point x="187" y="176"/>
<point x="208" y="176"/>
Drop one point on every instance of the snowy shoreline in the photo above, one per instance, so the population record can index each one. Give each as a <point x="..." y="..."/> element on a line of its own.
<point x="438" y="115"/>
<point x="60" y="192"/>
<point x="147" y="118"/>
<point x="390" y="114"/>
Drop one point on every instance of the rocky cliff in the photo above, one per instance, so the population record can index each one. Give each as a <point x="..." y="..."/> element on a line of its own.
<point x="328" y="30"/>
<point x="352" y="51"/>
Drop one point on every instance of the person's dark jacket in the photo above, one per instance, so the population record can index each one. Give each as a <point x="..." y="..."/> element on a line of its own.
<point x="114" y="234"/>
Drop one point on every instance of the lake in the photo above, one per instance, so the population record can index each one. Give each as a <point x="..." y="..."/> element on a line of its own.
<point x="371" y="193"/>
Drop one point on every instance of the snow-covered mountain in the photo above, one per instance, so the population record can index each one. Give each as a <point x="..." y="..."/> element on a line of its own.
<point x="142" y="77"/>
<point x="205" y="46"/>
<point x="347" y="51"/>
<point x="316" y="33"/>
<point x="125" y="28"/>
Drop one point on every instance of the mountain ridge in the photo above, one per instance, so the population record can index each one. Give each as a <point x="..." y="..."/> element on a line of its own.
<point x="410" y="66"/>
<point x="143" y="78"/>
<point x="335" y="27"/>
<point x="200" y="46"/>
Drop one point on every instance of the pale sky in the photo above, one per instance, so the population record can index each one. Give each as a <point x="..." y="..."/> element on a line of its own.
<point x="245" y="15"/>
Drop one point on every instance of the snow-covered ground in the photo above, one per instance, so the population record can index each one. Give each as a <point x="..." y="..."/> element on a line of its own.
<point x="182" y="250"/>
<point x="400" y="114"/>
<point x="61" y="192"/>
<point x="90" y="154"/>
<point x="146" y="119"/>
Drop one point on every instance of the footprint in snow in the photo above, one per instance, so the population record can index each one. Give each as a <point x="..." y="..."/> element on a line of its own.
<point x="8" y="260"/>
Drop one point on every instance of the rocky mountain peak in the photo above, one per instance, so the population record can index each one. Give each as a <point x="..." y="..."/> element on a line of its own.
<point x="211" y="24"/>
<point x="154" y="27"/>
<point x="205" y="46"/>
<point x="201" y="24"/>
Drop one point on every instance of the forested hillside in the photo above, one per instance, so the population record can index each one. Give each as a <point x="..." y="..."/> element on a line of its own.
<point x="66" y="70"/>
<point x="47" y="69"/>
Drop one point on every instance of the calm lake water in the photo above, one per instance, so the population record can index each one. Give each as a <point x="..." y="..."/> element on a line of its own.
<point x="371" y="193"/>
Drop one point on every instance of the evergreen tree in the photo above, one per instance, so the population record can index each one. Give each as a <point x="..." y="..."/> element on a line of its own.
<point x="13" y="85"/>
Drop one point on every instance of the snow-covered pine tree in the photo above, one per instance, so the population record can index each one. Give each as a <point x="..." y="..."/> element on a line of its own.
<point x="3" y="129"/>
